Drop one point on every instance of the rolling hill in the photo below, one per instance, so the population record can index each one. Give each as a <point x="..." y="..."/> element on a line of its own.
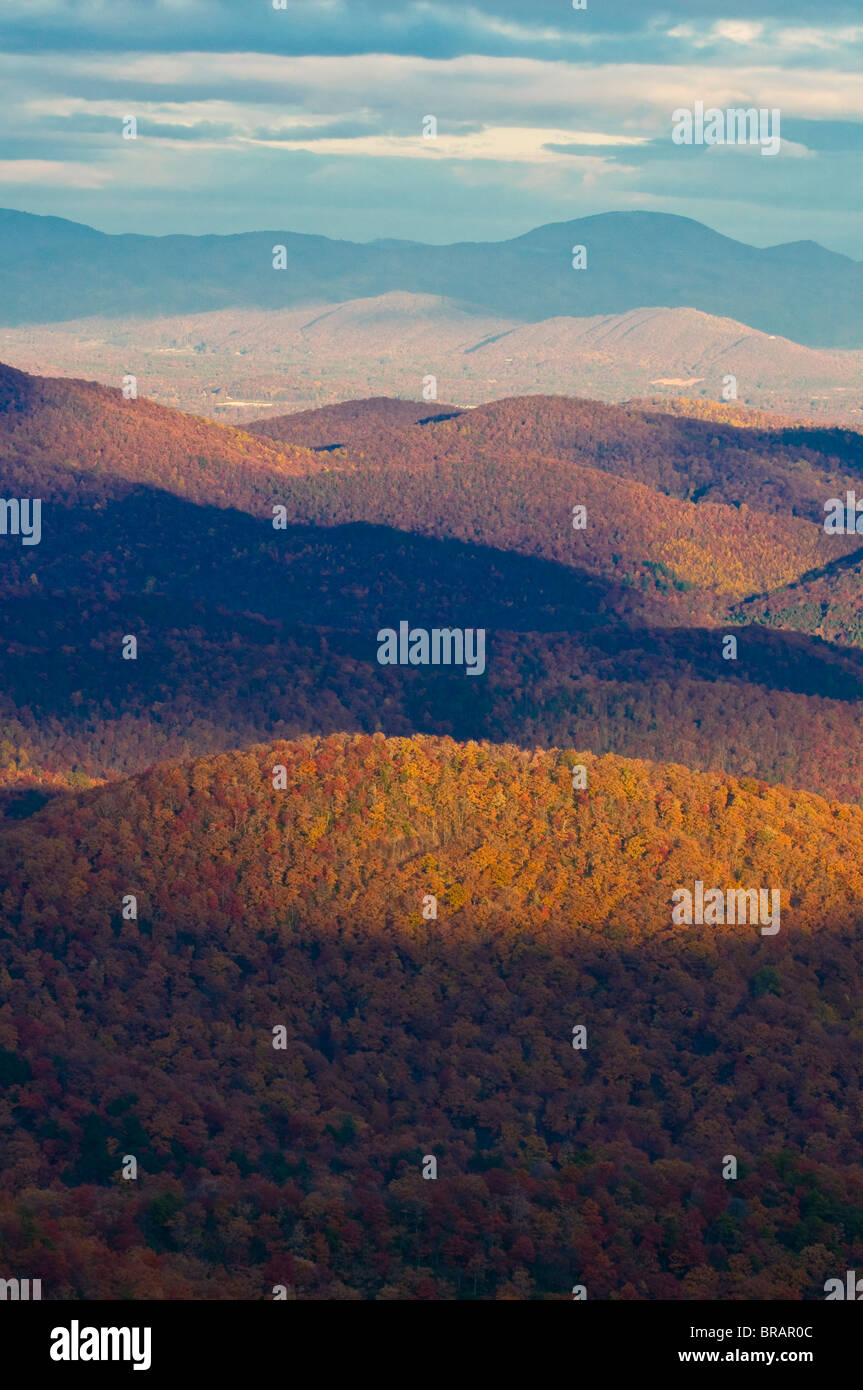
<point x="827" y="603"/>
<point x="161" y="526"/>
<point x="785" y="469"/>
<point x="282" y="1040"/>
<point x="249" y="363"/>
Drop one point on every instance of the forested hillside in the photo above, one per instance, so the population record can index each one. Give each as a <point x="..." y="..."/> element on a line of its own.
<point x="222" y="816"/>
<point x="407" y="1037"/>
<point x="247" y="631"/>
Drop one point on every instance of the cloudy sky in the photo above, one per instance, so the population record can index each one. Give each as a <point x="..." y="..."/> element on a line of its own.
<point x="309" y="117"/>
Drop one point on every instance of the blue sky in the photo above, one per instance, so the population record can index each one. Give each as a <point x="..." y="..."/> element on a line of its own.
<point x="309" y="118"/>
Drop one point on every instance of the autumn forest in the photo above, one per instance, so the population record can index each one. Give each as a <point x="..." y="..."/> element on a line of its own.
<point x="357" y="981"/>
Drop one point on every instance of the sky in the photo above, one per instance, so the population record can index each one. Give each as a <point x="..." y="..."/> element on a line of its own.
<point x="309" y="118"/>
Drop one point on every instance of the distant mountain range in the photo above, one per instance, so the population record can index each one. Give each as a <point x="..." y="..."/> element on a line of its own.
<point x="53" y="270"/>
<point x="246" y="363"/>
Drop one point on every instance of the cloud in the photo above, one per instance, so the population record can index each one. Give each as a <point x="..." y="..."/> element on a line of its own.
<point x="469" y="88"/>
<point x="507" y="144"/>
<point x="741" y="31"/>
<point x="312" y="116"/>
<point x="431" y="28"/>
<point x="51" y="172"/>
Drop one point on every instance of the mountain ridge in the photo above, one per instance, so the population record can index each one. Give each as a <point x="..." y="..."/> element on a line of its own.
<point x="634" y="259"/>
